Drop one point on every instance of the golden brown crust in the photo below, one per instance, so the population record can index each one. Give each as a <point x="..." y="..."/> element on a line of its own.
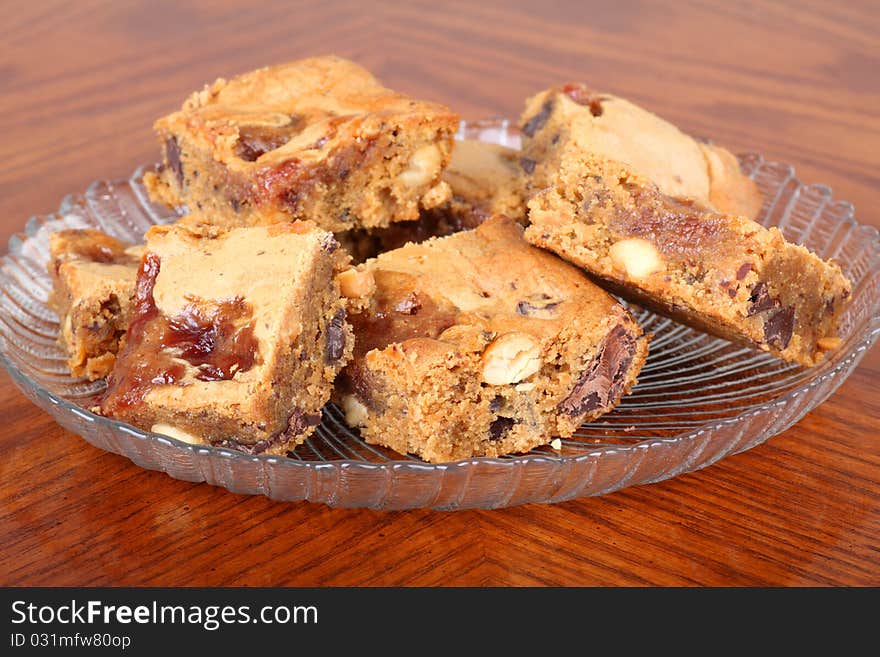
<point x="318" y="138"/>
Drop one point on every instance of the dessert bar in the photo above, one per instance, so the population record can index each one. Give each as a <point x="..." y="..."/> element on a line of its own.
<point x="236" y="335"/>
<point x="724" y="274"/>
<point x="478" y="344"/>
<point x="318" y="139"/>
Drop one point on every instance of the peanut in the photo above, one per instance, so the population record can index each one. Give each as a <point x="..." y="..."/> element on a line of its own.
<point x="511" y="358"/>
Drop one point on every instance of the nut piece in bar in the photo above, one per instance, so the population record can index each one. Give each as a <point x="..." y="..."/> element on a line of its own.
<point x="236" y="335"/>
<point x="318" y="139"/>
<point x="612" y="127"/>
<point x="93" y="278"/>
<point x="478" y="344"/>
<point x="721" y="273"/>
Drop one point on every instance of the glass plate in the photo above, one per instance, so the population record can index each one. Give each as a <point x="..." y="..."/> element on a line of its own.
<point x="698" y="399"/>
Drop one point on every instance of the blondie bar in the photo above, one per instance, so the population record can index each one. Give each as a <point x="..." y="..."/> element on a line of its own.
<point x="479" y="344"/>
<point x="93" y="278"/>
<point x="236" y="335"/>
<point x="317" y="139"/>
<point x="612" y="127"/>
<point x="721" y="273"/>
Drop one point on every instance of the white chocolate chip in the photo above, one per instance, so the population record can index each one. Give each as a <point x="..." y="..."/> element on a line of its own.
<point x="355" y="411"/>
<point x="556" y="444"/>
<point x="511" y="358"/>
<point x="423" y="167"/>
<point x="635" y="257"/>
<point x="356" y="284"/>
<point x="177" y="433"/>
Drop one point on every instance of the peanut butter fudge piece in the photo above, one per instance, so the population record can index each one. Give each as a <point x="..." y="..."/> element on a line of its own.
<point x="485" y="179"/>
<point x="724" y="274"/>
<point x="236" y="335"/>
<point x="478" y="344"/>
<point x="605" y="125"/>
<point x="317" y="139"/>
<point x="93" y="278"/>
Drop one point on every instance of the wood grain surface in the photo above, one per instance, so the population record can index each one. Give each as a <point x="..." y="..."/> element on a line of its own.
<point x="81" y="83"/>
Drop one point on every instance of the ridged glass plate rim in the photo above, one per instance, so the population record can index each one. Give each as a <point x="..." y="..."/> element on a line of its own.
<point x="869" y="328"/>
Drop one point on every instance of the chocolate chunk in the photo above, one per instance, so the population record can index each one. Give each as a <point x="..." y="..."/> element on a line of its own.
<point x="593" y="401"/>
<point x="298" y="423"/>
<point x="779" y="326"/>
<point x="172" y="158"/>
<point x="496" y="403"/>
<point x="537" y="122"/>
<point x="527" y="164"/>
<point x="360" y="382"/>
<point x="760" y="299"/>
<point x="602" y="382"/>
<point x="335" y="345"/>
<point x="744" y="269"/>
<point x="540" y="305"/>
<point x="499" y="427"/>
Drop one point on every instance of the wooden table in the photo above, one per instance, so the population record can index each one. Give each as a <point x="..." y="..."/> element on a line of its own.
<point x="799" y="81"/>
